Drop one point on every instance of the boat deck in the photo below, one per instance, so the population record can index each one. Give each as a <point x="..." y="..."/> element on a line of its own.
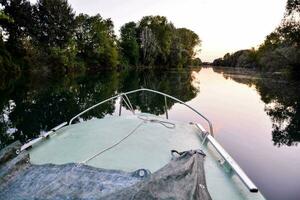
<point x="139" y="141"/>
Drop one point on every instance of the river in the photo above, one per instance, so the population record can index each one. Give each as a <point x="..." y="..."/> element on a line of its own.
<point x="255" y="118"/>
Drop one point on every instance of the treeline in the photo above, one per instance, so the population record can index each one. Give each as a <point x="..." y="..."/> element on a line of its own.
<point x="280" y="51"/>
<point x="155" y="41"/>
<point x="48" y="36"/>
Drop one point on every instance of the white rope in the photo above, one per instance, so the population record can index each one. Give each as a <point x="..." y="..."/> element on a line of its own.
<point x="144" y="120"/>
<point x="166" y="124"/>
<point x="112" y="146"/>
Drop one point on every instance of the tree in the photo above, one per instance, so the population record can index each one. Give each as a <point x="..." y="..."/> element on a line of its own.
<point x="96" y="41"/>
<point x="281" y="49"/>
<point x="15" y="18"/>
<point x="196" y="62"/>
<point x="176" y="57"/>
<point x="4" y="17"/>
<point x="163" y="45"/>
<point x="243" y="58"/>
<point x="292" y="6"/>
<point x="53" y="23"/>
<point x="19" y="13"/>
<point x="162" y="30"/>
<point x="10" y="28"/>
<point x="149" y="46"/>
<point x="189" y="40"/>
<point x="6" y="62"/>
<point x="289" y="29"/>
<point x="128" y="44"/>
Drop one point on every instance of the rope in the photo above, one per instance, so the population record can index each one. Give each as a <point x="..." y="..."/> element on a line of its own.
<point x="166" y="124"/>
<point x="144" y="120"/>
<point x="112" y="146"/>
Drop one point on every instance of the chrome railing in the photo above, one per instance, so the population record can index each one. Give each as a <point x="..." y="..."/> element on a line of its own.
<point x="232" y="163"/>
<point x="124" y="98"/>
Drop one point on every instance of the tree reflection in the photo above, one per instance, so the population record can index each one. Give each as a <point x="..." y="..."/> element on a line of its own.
<point x="41" y="104"/>
<point x="283" y="107"/>
<point x="177" y="83"/>
<point x="282" y="99"/>
<point x="31" y="105"/>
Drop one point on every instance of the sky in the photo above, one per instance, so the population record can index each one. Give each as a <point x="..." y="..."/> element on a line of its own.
<point x="222" y="25"/>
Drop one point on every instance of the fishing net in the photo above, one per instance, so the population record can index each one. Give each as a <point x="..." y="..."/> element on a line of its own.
<point x="182" y="178"/>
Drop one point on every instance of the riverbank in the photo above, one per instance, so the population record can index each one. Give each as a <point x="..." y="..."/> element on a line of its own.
<point x="252" y="73"/>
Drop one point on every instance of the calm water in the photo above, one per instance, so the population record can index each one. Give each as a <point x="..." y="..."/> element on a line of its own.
<point x="256" y="119"/>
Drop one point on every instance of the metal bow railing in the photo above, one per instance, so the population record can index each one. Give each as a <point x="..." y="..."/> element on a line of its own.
<point x="125" y="99"/>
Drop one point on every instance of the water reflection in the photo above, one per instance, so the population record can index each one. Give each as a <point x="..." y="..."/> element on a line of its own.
<point x="282" y="103"/>
<point x="177" y="83"/>
<point x="31" y="105"/>
<point x="35" y="104"/>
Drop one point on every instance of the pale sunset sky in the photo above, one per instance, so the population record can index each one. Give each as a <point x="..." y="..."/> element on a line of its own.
<point x="223" y="25"/>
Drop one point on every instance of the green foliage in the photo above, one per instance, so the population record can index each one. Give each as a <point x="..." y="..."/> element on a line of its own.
<point x="188" y="40"/>
<point x="96" y="41"/>
<point x="62" y="58"/>
<point x="34" y="31"/>
<point x="162" y="30"/>
<point x="52" y="33"/>
<point x="53" y="23"/>
<point x="17" y="27"/>
<point x="128" y="44"/>
<point x="15" y="18"/>
<point x="242" y="58"/>
<point x="149" y="47"/>
<point x="196" y="62"/>
<point x="6" y="63"/>
<point x="4" y="17"/>
<point x="48" y="37"/>
<point x="289" y="30"/>
<point x="280" y="51"/>
<point x="162" y="44"/>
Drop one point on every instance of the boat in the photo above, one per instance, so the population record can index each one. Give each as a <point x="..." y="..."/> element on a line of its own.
<point x="122" y="155"/>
